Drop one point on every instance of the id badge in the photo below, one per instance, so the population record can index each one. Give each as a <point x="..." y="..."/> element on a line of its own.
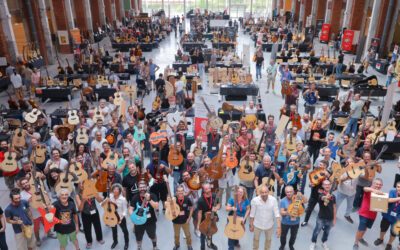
<point x="148" y="215"/>
<point x="214" y="148"/>
<point x="182" y="213"/>
<point x="93" y="212"/>
<point x="176" y="168"/>
<point x="394" y="214"/>
<point x="293" y="218"/>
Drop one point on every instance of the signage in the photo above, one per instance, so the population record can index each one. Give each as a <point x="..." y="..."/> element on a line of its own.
<point x="325" y="31"/>
<point x="347" y="40"/>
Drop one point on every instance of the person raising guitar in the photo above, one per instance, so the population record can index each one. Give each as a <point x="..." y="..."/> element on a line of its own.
<point x="142" y="201"/>
<point x="315" y="189"/>
<point x="310" y="97"/>
<point x="183" y="219"/>
<point x="207" y="203"/>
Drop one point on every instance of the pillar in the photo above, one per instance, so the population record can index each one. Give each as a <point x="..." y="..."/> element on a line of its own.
<point x="136" y="7"/>
<point x="293" y="9"/>
<point x="358" y="23"/>
<point x="301" y="15"/>
<point x="68" y="13"/>
<point x="336" y="14"/>
<point x="251" y="7"/>
<point x="308" y="5"/>
<point x="102" y="12"/>
<point x="388" y="17"/>
<point x="314" y="8"/>
<point x="113" y="11"/>
<point x="121" y="9"/>
<point x="88" y="17"/>
<point x="357" y="17"/>
<point x="117" y="6"/>
<point x="8" y="31"/>
<point x="61" y="21"/>
<point x="278" y="6"/>
<point x="373" y="24"/>
<point x="328" y="12"/>
<point x="393" y="25"/>
<point x="184" y="13"/>
<point x="108" y="11"/>
<point x="31" y="21"/>
<point x="347" y="14"/>
<point x="321" y="9"/>
<point x="49" y="55"/>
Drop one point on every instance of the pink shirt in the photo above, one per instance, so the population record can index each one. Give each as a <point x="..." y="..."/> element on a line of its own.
<point x="364" y="209"/>
<point x="36" y="78"/>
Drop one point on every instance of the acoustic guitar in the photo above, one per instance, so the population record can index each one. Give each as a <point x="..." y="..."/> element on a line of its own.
<point x="49" y="220"/>
<point x="296" y="208"/>
<point x="157" y="137"/>
<point x="175" y="157"/>
<point x="18" y="140"/>
<point x="209" y="225"/>
<point x="172" y="209"/>
<point x="33" y="116"/>
<point x="97" y="115"/>
<point x="194" y="182"/>
<point x="214" y="121"/>
<point x="102" y="179"/>
<point x="317" y="176"/>
<point x="36" y="184"/>
<point x="66" y="180"/>
<point x="214" y="170"/>
<point x="246" y="170"/>
<point x="89" y="186"/>
<point x="73" y="117"/>
<point x="112" y="159"/>
<point x="9" y="164"/>
<point x="110" y="216"/>
<point x="118" y="100"/>
<point x="235" y="228"/>
<point x="40" y="156"/>
<point x="82" y="136"/>
<point x="354" y="170"/>
<point x="78" y="170"/>
<point x="231" y="160"/>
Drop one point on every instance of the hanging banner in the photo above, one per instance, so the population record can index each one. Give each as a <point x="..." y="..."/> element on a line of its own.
<point x="375" y="44"/>
<point x="76" y="36"/>
<point x="200" y="125"/>
<point x="63" y="37"/>
<point x="347" y="40"/>
<point x="325" y="30"/>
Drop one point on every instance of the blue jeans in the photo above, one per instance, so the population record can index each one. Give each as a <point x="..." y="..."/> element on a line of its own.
<point x="340" y="197"/>
<point x="339" y="69"/>
<point x="177" y="177"/>
<point x="322" y="224"/>
<point x="232" y="243"/>
<point x="389" y="81"/>
<point x="352" y="126"/>
<point x="258" y="71"/>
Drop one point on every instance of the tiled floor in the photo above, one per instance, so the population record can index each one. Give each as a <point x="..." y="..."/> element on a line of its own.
<point x="341" y="237"/>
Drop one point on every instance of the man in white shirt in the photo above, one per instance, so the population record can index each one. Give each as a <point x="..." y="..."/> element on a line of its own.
<point x="271" y="75"/>
<point x="180" y="95"/>
<point x="251" y="109"/>
<point x="97" y="143"/>
<point x="264" y="209"/>
<point x="16" y="81"/>
<point x="105" y="111"/>
<point x="99" y="128"/>
<point x="355" y="115"/>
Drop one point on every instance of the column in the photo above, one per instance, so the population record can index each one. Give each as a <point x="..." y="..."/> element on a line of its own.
<point x="347" y="14"/>
<point x="301" y="15"/>
<point x="251" y="7"/>
<point x="184" y="13"/>
<point x="68" y="13"/>
<point x="373" y="24"/>
<point x="278" y="6"/>
<point x="122" y="8"/>
<point x="162" y="5"/>
<point x="314" y="8"/>
<point x="393" y="25"/>
<point x="136" y="7"/>
<point x="113" y="11"/>
<point x="328" y="12"/>
<point x="207" y="4"/>
<point x="293" y="9"/>
<point x="382" y="47"/>
<point x="32" y="23"/>
<point x="88" y="17"/>
<point x="102" y="12"/>
<point x="8" y="31"/>
<point x="46" y="31"/>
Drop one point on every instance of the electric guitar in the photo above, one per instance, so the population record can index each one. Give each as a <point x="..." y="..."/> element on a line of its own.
<point x="49" y="220"/>
<point x="139" y="216"/>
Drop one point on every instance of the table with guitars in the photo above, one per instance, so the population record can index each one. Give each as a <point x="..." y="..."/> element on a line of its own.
<point x="188" y="46"/>
<point x="55" y="94"/>
<point x="223" y="46"/>
<point x="59" y="114"/>
<point x="393" y="148"/>
<point x="375" y="91"/>
<point x="181" y="66"/>
<point x="237" y="115"/>
<point x="105" y="92"/>
<point x="124" y="47"/>
<point x="239" y="91"/>
<point x="326" y="92"/>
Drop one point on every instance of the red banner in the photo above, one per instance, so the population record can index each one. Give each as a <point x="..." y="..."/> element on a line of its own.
<point x="200" y="125"/>
<point x="325" y="30"/>
<point x="347" y="40"/>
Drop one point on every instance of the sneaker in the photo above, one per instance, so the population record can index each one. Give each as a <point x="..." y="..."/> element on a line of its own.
<point x="325" y="246"/>
<point x="101" y="242"/>
<point x="312" y="246"/>
<point x="388" y="247"/>
<point x="52" y="235"/>
<point x="304" y="223"/>
<point x="88" y="245"/>
<point x="38" y="243"/>
<point x="377" y="242"/>
<point x="355" y="247"/>
<point x="349" y="219"/>
<point x="362" y="241"/>
<point x="176" y="248"/>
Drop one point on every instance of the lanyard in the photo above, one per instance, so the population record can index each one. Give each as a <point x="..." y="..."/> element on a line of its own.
<point x="144" y="204"/>
<point x="240" y="207"/>
<point x="209" y="204"/>
<point x="180" y="201"/>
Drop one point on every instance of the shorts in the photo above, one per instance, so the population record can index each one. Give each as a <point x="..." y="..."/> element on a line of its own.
<point x="152" y="78"/>
<point x="63" y="238"/>
<point x="385" y="224"/>
<point x="365" y="223"/>
<point x="150" y="229"/>
<point x="22" y="243"/>
<point x="160" y="190"/>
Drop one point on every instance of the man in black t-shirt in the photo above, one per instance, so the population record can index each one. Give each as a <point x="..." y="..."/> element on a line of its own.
<point x="206" y="203"/>
<point x="317" y="137"/>
<point x="326" y="216"/>
<point x="183" y="219"/>
<point x="145" y="200"/>
<point x="3" y="243"/>
<point x="160" y="83"/>
<point x="130" y="182"/>
<point x="67" y="214"/>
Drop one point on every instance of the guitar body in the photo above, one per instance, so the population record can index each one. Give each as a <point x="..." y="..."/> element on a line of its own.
<point x="209" y="225"/>
<point x="32" y="116"/>
<point x="354" y="170"/>
<point x="215" y="122"/>
<point x="316" y="177"/>
<point x="175" y="158"/>
<point x="73" y="118"/>
<point x="78" y="170"/>
<point x="290" y="177"/>
<point x="231" y="159"/>
<point x="337" y="171"/>
<point x="97" y="115"/>
<point x="9" y="164"/>
<point x="291" y="146"/>
<point x="346" y="107"/>
<point x="194" y="182"/>
<point x="172" y="209"/>
<point x="89" y="189"/>
<point x="18" y="139"/>
<point x="36" y="199"/>
<point x="49" y="220"/>
<point x="264" y="182"/>
<point x="296" y="208"/>
<point x="110" y="216"/>
<point x="82" y="136"/>
<point x="118" y="98"/>
<point x="246" y="171"/>
<point x="65" y="182"/>
<point x="110" y="138"/>
<point x="250" y="121"/>
<point x="215" y="171"/>
<point x="139" y="216"/>
<point x="157" y="137"/>
<point x="234" y="229"/>
<point x="101" y="183"/>
<point x="40" y="154"/>
<point x="396" y="228"/>
<point x="111" y="159"/>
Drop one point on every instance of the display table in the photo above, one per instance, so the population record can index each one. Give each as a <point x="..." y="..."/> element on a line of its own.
<point x="91" y="68"/>
<point x="188" y="46"/>
<point x="325" y="92"/>
<point x="58" y="114"/>
<point x="71" y="77"/>
<point x="224" y="46"/>
<point x="12" y="114"/>
<point x="181" y="66"/>
<point x="125" y="47"/>
<point x="268" y="47"/>
<point x="236" y="115"/>
<point x="238" y="92"/>
<point x="374" y="91"/>
<point x="393" y="148"/>
<point x="104" y="92"/>
<point x="56" y="94"/>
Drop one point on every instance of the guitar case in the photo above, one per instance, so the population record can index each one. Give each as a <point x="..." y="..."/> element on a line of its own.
<point x="364" y="82"/>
